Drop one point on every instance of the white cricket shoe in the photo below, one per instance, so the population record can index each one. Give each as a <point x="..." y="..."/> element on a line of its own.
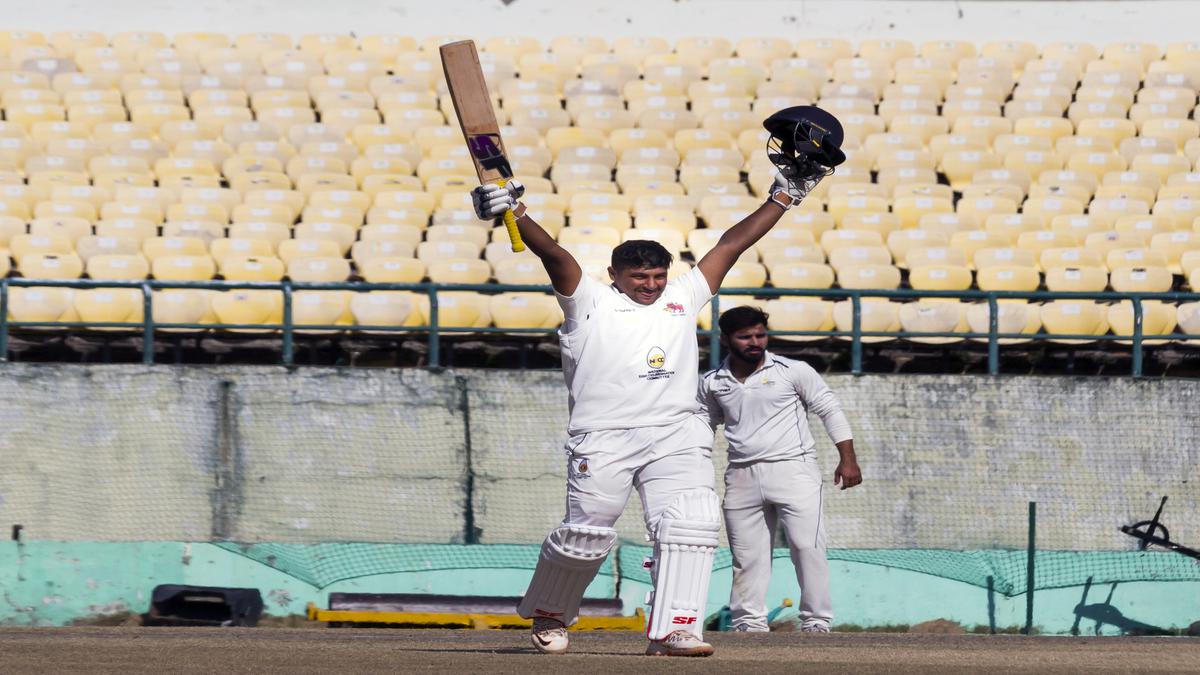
<point x="814" y="626"/>
<point x="549" y="636"/>
<point x="679" y="643"/>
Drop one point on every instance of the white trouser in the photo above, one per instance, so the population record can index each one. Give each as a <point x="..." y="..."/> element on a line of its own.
<point x="759" y="496"/>
<point x="671" y="467"/>
<point x="660" y="462"/>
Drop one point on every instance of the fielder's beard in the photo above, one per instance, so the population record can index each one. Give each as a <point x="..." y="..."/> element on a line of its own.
<point x="742" y="356"/>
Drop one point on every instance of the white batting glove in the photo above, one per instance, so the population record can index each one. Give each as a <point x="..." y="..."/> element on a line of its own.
<point x="491" y="200"/>
<point x="788" y="195"/>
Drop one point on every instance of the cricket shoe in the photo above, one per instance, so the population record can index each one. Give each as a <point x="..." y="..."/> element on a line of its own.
<point x="814" y="626"/>
<point x="679" y="643"/>
<point x="549" y="636"/>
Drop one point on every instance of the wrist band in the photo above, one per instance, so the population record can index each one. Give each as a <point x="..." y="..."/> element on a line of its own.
<point x="791" y="201"/>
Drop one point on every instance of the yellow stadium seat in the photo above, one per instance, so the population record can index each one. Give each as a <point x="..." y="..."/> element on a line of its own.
<point x="109" y="305"/>
<point x="20" y="245"/>
<point x="843" y="256"/>
<point x="318" y="269"/>
<point x="940" y="277"/>
<point x="1148" y="279"/>
<point x="795" y="274"/>
<point x="877" y="316"/>
<point x="385" y="309"/>
<point x="1076" y="279"/>
<point x="458" y="309"/>
<point x="235" y="267"/>
<point x="746" y="275"/>
<point x="1012" y="317"/>
<point x="1074" y="317"/>
<point x="291" y="249"/>
<point x="520" y="271"/>
<point x="868" y="276"/>
<point x="168" y="267"/>
<point x="49" y="265"/>
<point x="1007" y="278"/>
<point x="121" y="267"/>
<point x="800" y="314"/>
<point x="248" y="307"/>
<point x="1158" y="318"/>
<point x="933" y="316"/>
<point x="1070" y="257"/>
<point x="1131" y="256"/>
<point x="524" y="310"/>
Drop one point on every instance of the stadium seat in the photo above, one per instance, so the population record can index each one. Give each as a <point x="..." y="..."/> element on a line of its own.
<point x="877" y="316"/>
<point x="868" y="276"/>
<point x="318" y="269"/>
<point x="1158" y="318"/>
<point x="1074" y="317"/>
<point x="525" y="310"/>
<point x="1012" y="316"/>
<point x="1149" y="279"/>
<point x="1007" y="278"/>
<point x="250" y="307"/>
<point x="940" y="277"/>
<point x="109" y="305"/>
<point x="930" y="316"/>
<point x="800" y="314"/>
<point x="117" y="267"/>
<point x="49" y="265"/>
<point x="457" y="309"/>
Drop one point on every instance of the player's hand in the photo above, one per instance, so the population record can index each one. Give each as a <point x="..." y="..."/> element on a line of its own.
<point x="847" y="474"/>
<point x="783" y="185"/>
<point x="491" y="200"/>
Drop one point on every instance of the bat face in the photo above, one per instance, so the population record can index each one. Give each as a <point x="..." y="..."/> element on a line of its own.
<point x="488" y="153"/>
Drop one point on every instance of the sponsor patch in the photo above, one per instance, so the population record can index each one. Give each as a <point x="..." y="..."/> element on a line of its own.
<point x="674" y="309"/>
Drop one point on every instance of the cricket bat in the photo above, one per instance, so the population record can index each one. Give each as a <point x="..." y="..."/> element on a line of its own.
<point x="473" y="106"/>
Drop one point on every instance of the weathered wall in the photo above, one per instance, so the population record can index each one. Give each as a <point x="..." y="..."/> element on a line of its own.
<point x="123" y="453"/>
<point x="1037" y="20"/>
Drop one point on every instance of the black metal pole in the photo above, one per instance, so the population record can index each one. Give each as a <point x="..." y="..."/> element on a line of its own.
<point x="1029" y="568"/>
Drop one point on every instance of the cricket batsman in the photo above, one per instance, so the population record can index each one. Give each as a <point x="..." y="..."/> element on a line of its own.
<point x="630" y="361"/>
<point x="773" y="477"/>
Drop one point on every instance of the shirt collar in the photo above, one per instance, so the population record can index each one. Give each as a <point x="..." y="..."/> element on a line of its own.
<point x="769" y="361"/>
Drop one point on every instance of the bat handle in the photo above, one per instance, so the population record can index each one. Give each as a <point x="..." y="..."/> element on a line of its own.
<point x="510" y="222"/>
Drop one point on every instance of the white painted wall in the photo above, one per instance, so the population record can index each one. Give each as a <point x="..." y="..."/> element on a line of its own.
<point x="1161" y="21"/>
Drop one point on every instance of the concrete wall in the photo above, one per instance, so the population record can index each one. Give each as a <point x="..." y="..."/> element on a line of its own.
<point x="1037" y="20"/>
<point x="124" y="453"/>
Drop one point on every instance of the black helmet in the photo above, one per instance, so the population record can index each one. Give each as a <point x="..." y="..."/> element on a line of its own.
<point x="806" y="140"/>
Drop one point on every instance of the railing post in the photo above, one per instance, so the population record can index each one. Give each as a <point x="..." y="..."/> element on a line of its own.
<point x="435" y="343"/>
<point x="856" y="334"/>
<point x="714" y="340"/>
<point x="1137" y="336"/>
<point x="4" y="320"/>
<point x="288" y="346"/>
<point x="147" y="324"/>
<point x="993" y="330"/>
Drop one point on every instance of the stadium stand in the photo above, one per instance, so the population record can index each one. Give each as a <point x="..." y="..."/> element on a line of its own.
<point x="261" y="158"/>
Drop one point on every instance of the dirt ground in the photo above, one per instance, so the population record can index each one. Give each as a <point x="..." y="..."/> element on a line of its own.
<point x="283" y="650"/>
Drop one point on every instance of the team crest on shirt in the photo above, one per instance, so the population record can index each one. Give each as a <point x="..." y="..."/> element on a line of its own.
<point x="580" y="469"/>
<point x="674" y="309"/>
<point x="656" y="358"/>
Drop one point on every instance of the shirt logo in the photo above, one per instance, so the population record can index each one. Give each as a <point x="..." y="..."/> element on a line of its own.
<point x="674" y="309"/>
<point x="656" y="357"/>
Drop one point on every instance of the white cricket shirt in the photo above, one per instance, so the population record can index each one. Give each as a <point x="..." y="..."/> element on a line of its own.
<point x="766" y="417"/>
<point x="629" y="365"/>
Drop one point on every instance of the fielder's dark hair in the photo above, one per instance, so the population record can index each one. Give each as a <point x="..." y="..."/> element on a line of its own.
<point x="741" y="317"/>
<point x="640" y="253"/>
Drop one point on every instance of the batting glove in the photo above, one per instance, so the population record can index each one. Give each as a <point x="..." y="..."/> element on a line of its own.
<point x="783" y="192"/>
<point x="491" y="200"/>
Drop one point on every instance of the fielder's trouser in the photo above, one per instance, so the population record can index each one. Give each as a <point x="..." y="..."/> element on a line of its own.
<point x="758" y="497"/>
<point x="671" y="467"/>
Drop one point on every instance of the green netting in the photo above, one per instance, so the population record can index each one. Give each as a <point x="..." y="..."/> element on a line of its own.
<point x="324" y="564"/>
<point x="1053" y="569"/>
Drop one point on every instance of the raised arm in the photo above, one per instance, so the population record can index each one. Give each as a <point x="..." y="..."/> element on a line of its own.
<point x="491" y="201"/>
<point x="739" y="238"/>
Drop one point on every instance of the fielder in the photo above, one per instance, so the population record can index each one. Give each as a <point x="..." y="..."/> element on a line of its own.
<point x="630" y="360"/>
<point x="763" y="401"/>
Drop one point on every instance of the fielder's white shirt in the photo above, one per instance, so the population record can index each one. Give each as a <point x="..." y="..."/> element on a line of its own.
<point x="766" y="417"/>
<point x="629" y="365"/>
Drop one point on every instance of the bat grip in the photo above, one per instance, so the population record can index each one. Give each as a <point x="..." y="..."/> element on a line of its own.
<point x="510" y="222"/>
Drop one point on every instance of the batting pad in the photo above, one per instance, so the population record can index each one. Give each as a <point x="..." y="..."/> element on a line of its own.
<point x="570" y="558"/>
<point x="684" y="545"/>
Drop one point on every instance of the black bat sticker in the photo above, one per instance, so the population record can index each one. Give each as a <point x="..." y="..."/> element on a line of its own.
<point x="486" y="150"/>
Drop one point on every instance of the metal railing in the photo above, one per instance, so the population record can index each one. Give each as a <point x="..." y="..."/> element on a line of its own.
<point x="288" y="328"/>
